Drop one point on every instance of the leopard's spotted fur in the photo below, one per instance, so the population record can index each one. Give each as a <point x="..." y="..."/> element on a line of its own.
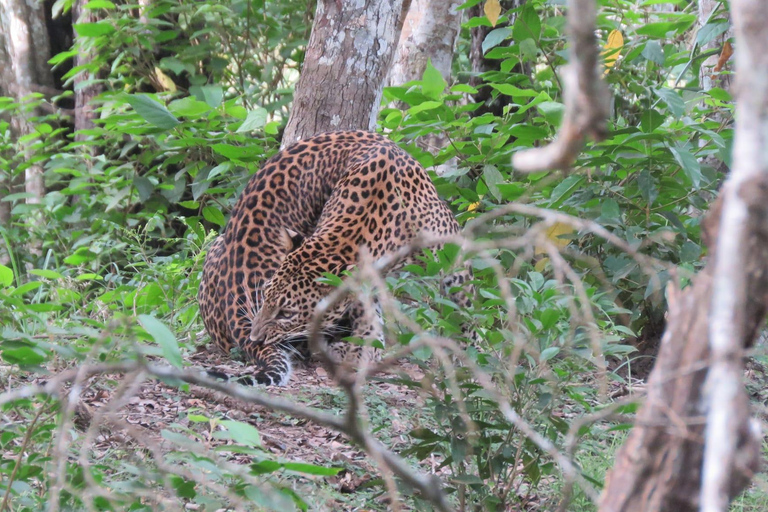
<point x="306" y="212"/>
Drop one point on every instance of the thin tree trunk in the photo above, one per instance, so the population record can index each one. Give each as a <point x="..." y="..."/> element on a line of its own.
<point x="85" y="89"/>
<point x="28" y="50"/>
<point x="429" y="33"/>
<point x="348" y="58"/>
<point x="694" y="446"/>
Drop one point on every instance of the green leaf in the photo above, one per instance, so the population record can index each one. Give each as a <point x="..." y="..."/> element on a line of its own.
<point x="189" y="107"/>
<point x="432" y="83"/>
<point x="495" y="37"/>
<point x="493" y="178"/>
<point x="711" y="30"/>
<point x="552" y="111"/>
<point x="647" y="186"/>
<point x="564" y="190"/>
<point x="527" y="25"/>
<point x="311" y="469"/>
<point x="214" y="215"/>
<point x="48" y="274"/>
<point x="688" y="162"/>
<point x="153" y="112"/>
<point x="609" y="211"/>
<point x="6" y="276"/>
<point x="101" y="28"/>
<point x="511" y="90"/>
<point x="163" y="337"/>
<point x="654" y="53"/>
<point x="243" y="433"/>
<point x="425" y="105"/>
<point x="211" y="94"/>
<point x="673" y="101"/>
<point x="243" y="153"/>
<point x="651" y="119"/>
<point x="255" y="120"/>
<point x="549" y="353"/>
<point x="99" y="4"/>
<point x="660" y="29"/>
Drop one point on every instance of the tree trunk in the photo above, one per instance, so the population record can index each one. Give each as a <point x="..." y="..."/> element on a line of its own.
<point x="85" y="89"/>
<point x="694" y="444"/>
<point x="28" y="48"/>
<point x="430" y="31"/>
<point x="348" y="57"/>
<point x="713" y="70"/>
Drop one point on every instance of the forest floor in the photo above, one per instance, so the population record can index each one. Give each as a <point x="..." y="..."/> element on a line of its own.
<point x="152" y="414"/>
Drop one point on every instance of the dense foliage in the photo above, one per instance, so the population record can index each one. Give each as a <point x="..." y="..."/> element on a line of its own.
<point x="194" y="98"/>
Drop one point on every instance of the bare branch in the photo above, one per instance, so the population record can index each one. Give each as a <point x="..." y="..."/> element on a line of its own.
<point x="743" y="219"/>
<point x="585" y="95"/>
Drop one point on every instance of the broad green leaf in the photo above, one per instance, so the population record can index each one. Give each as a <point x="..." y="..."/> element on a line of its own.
<point x="609" y="211"/>
<point x="163" y="337"/>
<point x="660" y="29"/>
<point x="99" y="4"/>
<point x="311" y="469"/>
<point x="426" y="105"/>
<point x="244" y="153"/>
<point x="153" y="112"/>
<point x="527" y="25"/>
<point x="214" y="215"/>
<point x="552" y="111"/>
<point x="688" y="162"/>
<point x="255" y="120"/>
<point x="672" y="99"/>
<point x="243" y="433"/>
<point x="211" y="94"/>
<point x="653" y="52"/>
<point x="549" y="353"/>
<point x="647" y="186"/>
<point x="6" y="276"/>
<point x="564" y="190"/>
<point x="493" y="178"/>
<point x="495" y="37"/>
<point x="189" y="107"/>
<point x="101" y="28"/>
<point x="511" y="90"/>
<point x="46" y="273"/>
<point x="432" y="83"/>
<point x="711" y="30"/>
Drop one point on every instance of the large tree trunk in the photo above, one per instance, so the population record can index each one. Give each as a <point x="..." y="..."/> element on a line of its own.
<point x="348" y="57"/>
<point x="694" y="444"/>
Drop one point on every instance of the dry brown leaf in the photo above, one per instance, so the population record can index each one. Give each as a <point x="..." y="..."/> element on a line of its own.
<point x="492" y="10"/>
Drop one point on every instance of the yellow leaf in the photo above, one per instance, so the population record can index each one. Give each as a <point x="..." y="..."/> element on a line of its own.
<point x="492" y="9"/>
<point x="164" y="80"/>
<point x="541" y="265"/>
<point x="472" y="207"/>
<point x="613" y="48"/>
<point x="554" y="234"/>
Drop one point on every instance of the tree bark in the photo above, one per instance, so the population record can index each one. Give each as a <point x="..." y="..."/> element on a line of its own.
<point x="348" y="57"/>
<point x="27" y="46"/>
<point x="694" y="444"/>
<point x="85" y="88"/>
<point x="429" y="32"/>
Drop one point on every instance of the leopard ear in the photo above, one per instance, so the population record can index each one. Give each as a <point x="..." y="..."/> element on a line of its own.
<point x="291" y="239"/>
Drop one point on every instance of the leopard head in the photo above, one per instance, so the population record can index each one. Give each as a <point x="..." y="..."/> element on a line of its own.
<point x="289" y="298"/>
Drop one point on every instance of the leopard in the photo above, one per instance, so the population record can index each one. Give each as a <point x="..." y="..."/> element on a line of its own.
<point x="310" y="211"/>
